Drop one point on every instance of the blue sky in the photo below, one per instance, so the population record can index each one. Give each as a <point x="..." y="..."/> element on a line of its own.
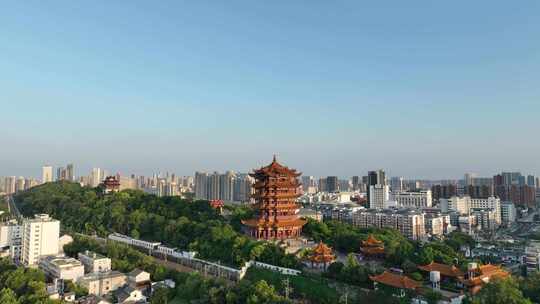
<point x="421" y="88"/>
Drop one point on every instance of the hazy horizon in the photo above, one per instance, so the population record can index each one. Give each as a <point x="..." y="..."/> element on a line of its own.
<point x="426" y="90"/>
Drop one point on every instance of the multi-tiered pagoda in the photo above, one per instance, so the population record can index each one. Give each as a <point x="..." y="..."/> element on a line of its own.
<point x="276" y="191"/>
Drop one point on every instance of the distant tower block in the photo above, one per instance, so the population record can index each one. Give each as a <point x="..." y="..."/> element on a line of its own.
<point x="276" y="190"/>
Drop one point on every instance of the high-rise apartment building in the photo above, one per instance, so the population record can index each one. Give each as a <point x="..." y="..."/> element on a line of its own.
<point x="308" y="184"/>
<point x="443" y="191"/>
<point x="40" y="238"/>
<point x="70" y="173"/>
<point x="96" y="177"/>
<point x="375" y="178"/>
<point x="512" y="186"/>
<point x="61" y="174"/>
<point x="20" y="184"/>
<point x="379" y="196"/>
<point x="479" y="191"/>
<point x="344" y="185"/>
<point x="322" y="184"/>
<point x="227" y="187"/>
<point x="10" y="184"/>
<point x="468" y="179"/>
<point x="213" y="186"/>
<point x="201" y="188"/>
<point x="396" y="184"/>
<point x="356" y="181"/>
<point x="243" y="189"/>
<point x="531" y="181"/>
<point x="47" y="174"/>
<point x="332" y="184"/>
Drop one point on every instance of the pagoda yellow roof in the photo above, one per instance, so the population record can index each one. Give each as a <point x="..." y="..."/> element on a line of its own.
<point x="371" y="241"/>
<point x="322" y="254"/>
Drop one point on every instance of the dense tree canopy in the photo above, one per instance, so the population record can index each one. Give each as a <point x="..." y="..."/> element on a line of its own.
<point x="399" y="250"/>
<point x="184" y="224"/>
<point x="500" y="292"/>
<point x="22" y="285"/>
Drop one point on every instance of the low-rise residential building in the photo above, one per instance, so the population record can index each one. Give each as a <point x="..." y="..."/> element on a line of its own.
<point x="101" y="283"/>
<point x="62" y="268"/>
<point x="409" y="222"/>
<point x="11" y="239"/>
<point x="140" y="280"/>
<point x="94" y="262"/>
<point x="486" y="218"/>
<point x="437" y="224"/>
<point x="487" y="211"/>
<point x="508" y="213"/>
<point x="92" y="299"/>
<point x="532" y="258"/>
<point x="129" y="294"/>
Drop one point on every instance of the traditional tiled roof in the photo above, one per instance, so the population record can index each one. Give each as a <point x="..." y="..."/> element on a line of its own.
<point x="372" y="250"/>
<point x="275" y="168"/>
<point x="396" y="280"/>
<point x="483" y="275"/>
<point x="111" y="181"/>
<point x="372" y="246"/>
<point x="322" y="254"/>
<point x="445" y="270"/>
<point x="371" y="241"/>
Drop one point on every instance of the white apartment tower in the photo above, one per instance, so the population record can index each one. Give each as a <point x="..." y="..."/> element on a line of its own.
<point x="201" y="189"/>
<point x="379" y="196"/>
<point x="39" y="238"/>
<point x="96" y="177"/>
<point x="47" y="174"/>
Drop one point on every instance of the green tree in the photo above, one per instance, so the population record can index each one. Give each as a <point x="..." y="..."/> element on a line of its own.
<point x="433" y="296"/>
<point x="531" y="287"/>
<point x="334" y="270"/>
<point x="263" y="293"/>
<point x="504" y="291"/>
<point x="160" y="296"/>
<point x="8" y="296"/>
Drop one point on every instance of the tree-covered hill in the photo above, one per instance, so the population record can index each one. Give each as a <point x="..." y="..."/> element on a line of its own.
<point x="188" y="225"/>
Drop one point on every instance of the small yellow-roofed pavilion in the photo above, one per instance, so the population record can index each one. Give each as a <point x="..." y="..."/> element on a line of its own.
<point x="321" y="255"/>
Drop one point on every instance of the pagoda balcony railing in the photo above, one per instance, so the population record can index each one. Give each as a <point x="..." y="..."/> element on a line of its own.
<point x="276" y="195"/>
<point x="277" y="184"/>
<point x="277" y="206"/>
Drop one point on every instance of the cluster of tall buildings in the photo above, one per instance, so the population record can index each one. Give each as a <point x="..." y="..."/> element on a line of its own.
<point x="14" y="184"/>
<point x="330" y="184"/>
<point x="161" y="185"/>
<point x="228" y="186"/>
<point x="419" y="208"/>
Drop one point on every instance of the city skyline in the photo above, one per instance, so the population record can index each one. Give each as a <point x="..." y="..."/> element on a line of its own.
<point x="332" y="89"/>
<point x="37" y="173"/>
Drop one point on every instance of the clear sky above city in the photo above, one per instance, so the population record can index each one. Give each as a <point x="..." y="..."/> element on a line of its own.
<point x="421" y="88"/>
